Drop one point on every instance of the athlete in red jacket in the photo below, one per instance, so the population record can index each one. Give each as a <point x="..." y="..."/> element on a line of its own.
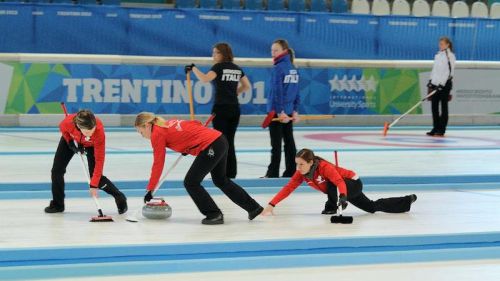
<point x="210" y="148"/>
<point x="88" y="132"/>
<point x="328" y="178"/>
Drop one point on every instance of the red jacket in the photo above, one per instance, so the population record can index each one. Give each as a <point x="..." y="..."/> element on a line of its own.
<point x="182" y="136"/>
<point x="98" y="140"/>
<point x="325" y="172"/>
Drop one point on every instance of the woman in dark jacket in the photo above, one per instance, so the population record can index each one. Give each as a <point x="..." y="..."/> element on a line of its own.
<point x="284" y="100"/>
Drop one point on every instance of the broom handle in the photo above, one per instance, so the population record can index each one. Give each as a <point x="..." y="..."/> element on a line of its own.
<point x="190" y="94"/>
<point x="411" y="109"/>
<point x="164" y="176"/>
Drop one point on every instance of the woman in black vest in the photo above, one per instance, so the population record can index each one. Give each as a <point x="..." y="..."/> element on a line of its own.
<point x="229" y="81"/>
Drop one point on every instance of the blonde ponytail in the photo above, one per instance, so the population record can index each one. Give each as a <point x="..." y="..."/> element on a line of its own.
<point x="144" y="118"/>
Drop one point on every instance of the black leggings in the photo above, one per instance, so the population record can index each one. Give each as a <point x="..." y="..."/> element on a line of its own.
<point x="213" y="160"/>
<point x="440" y="119"/>
<point x="227" y="118"/>
<point x="356" y="196"/>
<point x="61" y="160"/>
<point x="278" y="132"/>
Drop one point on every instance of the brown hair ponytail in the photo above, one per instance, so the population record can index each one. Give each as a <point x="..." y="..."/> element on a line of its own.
<point x="284" y="44"/>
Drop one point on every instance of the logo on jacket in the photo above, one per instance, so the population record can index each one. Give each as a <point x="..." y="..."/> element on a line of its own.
<point x="320" y="179"/>
<point x="293" y="77"/>
<point x="211" y="152"/>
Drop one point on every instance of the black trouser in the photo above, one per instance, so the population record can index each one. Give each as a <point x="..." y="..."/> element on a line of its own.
<point x="440" y="120"/>
<point x="356" y="197"/>
<point x="227" y="118"/>
<point x="281" y="131"/>
<point x="61" y="160"/>
<point x="213" y="160"/>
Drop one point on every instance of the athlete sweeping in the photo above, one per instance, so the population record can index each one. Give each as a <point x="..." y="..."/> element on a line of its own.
<point x="210" y="148"/>
<point x="88" y="131"/>
<point x="328" y="178"/>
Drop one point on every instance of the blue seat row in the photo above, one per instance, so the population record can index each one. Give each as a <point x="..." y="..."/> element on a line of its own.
<point x="339" y="6"/>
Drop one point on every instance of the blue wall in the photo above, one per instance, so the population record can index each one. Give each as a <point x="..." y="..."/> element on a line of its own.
<point x="131" y="31"/>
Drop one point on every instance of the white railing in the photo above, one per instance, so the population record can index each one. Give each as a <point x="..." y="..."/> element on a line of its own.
<point x="157" y="60"/>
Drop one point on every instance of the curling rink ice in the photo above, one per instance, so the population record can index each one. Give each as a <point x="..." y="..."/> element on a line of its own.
<point x="451" y="233"/>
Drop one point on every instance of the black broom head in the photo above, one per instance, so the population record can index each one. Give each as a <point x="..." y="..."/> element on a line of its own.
<point x="341" y="219"/>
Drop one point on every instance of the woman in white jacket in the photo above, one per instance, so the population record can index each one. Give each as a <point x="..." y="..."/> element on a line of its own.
<point x="442" y="82"/>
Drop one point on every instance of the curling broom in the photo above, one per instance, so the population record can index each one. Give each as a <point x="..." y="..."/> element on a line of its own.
<point x="387" y="126"/>
<point x="340" y="218"/>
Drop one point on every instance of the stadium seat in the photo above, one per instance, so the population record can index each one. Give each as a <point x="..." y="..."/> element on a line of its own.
<point x="319" y="6"/>
<point x="185" y="4"/>
<point x="340" y="6"/>
<point x="209" y="4"/>
<point x="401" y="8"/>
<point x="381" y="8"/>
<point x="231" y="4"/>
<point x="61" y="1"/>
<point x="459" y="9"/>
<point x="440" y="9"/>
<point x="253" y="5"/>
<point x="360" y="7"/>
<point x="479" y="10"/>
<point x="87" y="2"/>
<point x="275" y="5"/>
<point x="297" y="5"/>
<point x="111" y="2"/>
<point x="421" y="8"/>
<point x="495" y="11"/>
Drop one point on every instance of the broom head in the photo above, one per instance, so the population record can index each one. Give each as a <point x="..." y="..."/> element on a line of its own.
<point x="386" y="128"/>
<point x="268" y="119"/>
<point x="341" y="219"/>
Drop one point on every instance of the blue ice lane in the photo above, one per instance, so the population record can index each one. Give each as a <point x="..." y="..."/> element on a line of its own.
<point x="474" y="188"/>
<point x="50" y="263"/>
<point x="249" y="183"/>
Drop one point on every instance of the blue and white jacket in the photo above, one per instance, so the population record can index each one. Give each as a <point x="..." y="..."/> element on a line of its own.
<point x="284" y="92"/>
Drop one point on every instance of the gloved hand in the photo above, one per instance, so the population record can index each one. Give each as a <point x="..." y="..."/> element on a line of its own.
<point x="440" y="88"/>
<point x="76" y="149"/>
<point x="343" y="201"/>
<point x="148" y="196"/>
<point x="450" y="97"/>
<point x="189" y="67"/>
<point x="431" y="86"/>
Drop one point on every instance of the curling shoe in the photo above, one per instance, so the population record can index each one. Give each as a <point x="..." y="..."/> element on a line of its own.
<point x="219" y="219"/>
<point x="53" y="208"/>
<point x="253" y="214"/>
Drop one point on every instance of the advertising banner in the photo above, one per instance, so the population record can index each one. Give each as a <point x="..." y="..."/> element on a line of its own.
<point x="128" y="89"/>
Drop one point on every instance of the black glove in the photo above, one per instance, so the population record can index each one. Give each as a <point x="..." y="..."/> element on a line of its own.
<point x="189" y="67"/>
<point x="430" y="85"/>
<point x="76" y="149"/>
<point x="148" y="196"/>
<point x="343" y="201"/>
